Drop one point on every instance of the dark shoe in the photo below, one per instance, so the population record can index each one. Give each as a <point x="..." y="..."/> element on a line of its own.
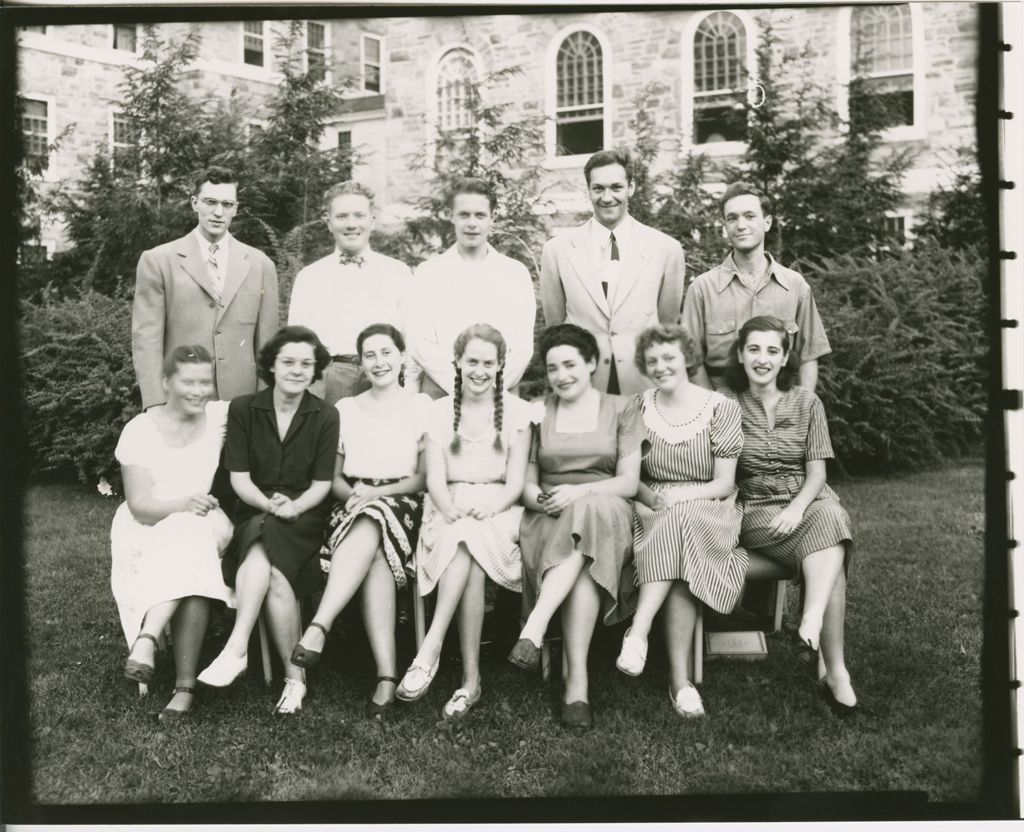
<point x="137" y="671"/>
<point x="838" y="708"/>
<point x="375" y="710"/>
<point x="577" y="715"/>
<point x="174" y="713"/>
<point x="303" y="656"/>
<point x="525" y="655"/>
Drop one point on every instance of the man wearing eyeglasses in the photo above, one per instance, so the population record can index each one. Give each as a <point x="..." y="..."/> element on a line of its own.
<point x="206" y="288"/>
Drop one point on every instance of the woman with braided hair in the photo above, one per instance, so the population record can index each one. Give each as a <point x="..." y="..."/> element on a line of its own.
<point x="477" y="445"/>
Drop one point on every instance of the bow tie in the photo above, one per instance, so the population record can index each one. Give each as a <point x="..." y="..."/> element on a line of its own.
<point x="345" y="258"/>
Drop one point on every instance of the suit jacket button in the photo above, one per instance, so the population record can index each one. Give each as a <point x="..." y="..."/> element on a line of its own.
<point x="614" y="333"/>
<point x="212" y="305"/>
<point x="607" y="361"/>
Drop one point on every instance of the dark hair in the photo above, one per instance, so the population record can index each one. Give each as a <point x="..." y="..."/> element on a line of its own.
<point x="185" y="354"/>
<point x="483" y="332"/>
<point x="603" y="158"/>
<point x="664" y="334"/>
<point x="736" y="376"/>
<point x="568" y="335"/>
<point x="745" y="189"/>
<point x="215" y="175"/>
<point x="472" y="185"/>
<point x="379" y="329"/>
<point x="346" y="188"/>
<point x="291" y="335"/>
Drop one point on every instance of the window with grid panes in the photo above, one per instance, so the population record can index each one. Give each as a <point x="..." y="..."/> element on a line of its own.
<point x="579" y="95"/>
<point x="456" y="76"/>
<point x="125" y="36"/>
<point x="371" y="63"/>
<point x="253" y="43"/>
<point x="123" y="136"/>
<point x="35" y="122"/>
<point x="882" y="56"/>
<point x="316" y="49"/>
<point x="719" y="79"/>
<point x="345" y="152"/>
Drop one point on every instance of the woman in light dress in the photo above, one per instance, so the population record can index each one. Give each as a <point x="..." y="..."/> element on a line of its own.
<point x="167" y="536"/>
<point x="790" y="514"/>
<point x="686" y="523"/>
<point x="577" y="534"/>
<point x="477" y="445"/>
<point x="374" y="526"/>
<point x="280" y="449"/>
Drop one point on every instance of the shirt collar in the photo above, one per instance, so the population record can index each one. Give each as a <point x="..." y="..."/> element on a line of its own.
<point x="727" y="271"/>
<point x="454" y="252"/>
<point x="204" y="245"/>
<point x="264" y="400"/>
<point x="365" y="253"/>
<point x="599" y="233"/>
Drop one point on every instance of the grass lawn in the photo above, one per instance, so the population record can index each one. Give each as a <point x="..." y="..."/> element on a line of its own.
<point x="913" y="642"/>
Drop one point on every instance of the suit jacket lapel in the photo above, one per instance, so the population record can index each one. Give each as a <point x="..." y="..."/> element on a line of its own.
<point x="192" y="262"/>
<point x="238" y="270"/>
<point x="634" y="261"/>
<point x="582" y="259"/>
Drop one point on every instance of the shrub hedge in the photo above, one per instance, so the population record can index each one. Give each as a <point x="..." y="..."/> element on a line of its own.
<point x="905" y="385"/>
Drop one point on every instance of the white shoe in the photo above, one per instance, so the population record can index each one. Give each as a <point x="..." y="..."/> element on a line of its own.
<point x="223" y="670"/>
<point x="633" y="656"/>
<point x="687" y="702"/>
<point x="416" y="681"/>
<point x="460" y="703"/>
<point x="291" y="697"/>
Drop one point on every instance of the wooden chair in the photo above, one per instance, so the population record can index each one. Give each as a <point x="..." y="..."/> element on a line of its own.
<point x="759" y="568"/>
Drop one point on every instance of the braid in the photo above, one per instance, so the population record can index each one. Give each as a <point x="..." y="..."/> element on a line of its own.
<point x="499" y="402"/>
<point x="456" y="444"/>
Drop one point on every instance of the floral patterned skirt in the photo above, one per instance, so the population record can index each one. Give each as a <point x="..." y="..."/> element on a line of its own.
<point x="398" y="518"/>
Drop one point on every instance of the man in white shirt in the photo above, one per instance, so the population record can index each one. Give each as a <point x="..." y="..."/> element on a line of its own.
<point x="612" y="275"/>
<point x="469" y="283"/>
<point x="352" y="287"/>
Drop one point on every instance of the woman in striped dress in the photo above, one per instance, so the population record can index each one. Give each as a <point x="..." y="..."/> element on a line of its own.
<point x="789" y="512"/>
<point x="686" y="522"/>
<point x="478" y="441"/>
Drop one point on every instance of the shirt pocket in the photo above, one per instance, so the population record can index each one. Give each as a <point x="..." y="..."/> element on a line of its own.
<point x="720" y="334"/>
<point x="247" y="307"/>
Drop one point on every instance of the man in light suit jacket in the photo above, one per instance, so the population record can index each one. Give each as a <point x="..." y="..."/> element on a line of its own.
<point x="206" y="288"/>
<point x="612" y="275"/>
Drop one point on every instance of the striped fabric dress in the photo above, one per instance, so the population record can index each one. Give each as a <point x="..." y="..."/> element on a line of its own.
<point x="695" y="540"/>
<point x="771" y="473"/>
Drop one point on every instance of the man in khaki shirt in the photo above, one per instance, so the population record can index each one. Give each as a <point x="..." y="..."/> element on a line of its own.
<point x="749" y="283"/>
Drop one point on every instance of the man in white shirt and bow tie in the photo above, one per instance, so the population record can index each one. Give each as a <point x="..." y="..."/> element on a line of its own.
<point x="352" y="287"/>
<point x="206" y="288"/>
<point x="469" y="283"/>
<point x="612" y="275"/>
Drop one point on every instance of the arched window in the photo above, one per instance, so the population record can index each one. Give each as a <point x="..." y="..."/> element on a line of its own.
<point x="719" y="79"/>
<point x="579" y="95"/>
<point x="457" y="78"/>
<point x="882" y="57"/>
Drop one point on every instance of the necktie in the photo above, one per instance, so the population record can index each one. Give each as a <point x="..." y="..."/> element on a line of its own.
<point x="357" y="259"/>
<point x="213" y="270"/>
<point x="614" y="255"/>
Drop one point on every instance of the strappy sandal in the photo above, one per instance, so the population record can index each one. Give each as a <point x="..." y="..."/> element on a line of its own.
<point x="138" y="671"/>
<point x="291" y="697"/>
<point x="376" y="710"/>
<point x="174" y="713"/>
<point x="303" y="656"/>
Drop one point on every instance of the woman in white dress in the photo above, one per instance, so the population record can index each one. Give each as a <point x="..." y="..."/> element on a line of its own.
<point x="478" y="442"/>
<point x="167" y="536"/>
<point x="373" y="528"/>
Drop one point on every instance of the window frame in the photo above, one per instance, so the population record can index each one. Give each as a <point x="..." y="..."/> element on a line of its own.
<point x="363" y="37"/>
<point x="844" y="53"/>
<point x="551" y="158"/>
<point x="474" y="60"/>
<point x="263" y="43"/>
<point x="112" y="146"/>
<point x="113" y="39"/>
<point x="688" y="109"/>
<point x="325" y="49"/>
<point x="50" y="173"/>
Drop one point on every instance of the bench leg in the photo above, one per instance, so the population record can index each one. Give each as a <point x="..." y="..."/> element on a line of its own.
<point x="545" y="660"/>
<point x="697" y="653"/>
<point x="419" y="616"/>
<point x="264" y="650"/>
<point x="780" y="605"/>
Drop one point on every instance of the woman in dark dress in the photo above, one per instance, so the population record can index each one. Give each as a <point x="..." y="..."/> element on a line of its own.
<point x="279" y="450"/>
<point x="789" y="512"/>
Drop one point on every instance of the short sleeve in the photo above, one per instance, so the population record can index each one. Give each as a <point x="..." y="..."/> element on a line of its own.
<point x="131" y="446"/>
<point x="520" y="414"/>
<point x="343" y="408"/>
<point x="326" y="445"/>
<point x="440" y="421"/>
<point x="812" y="340"/>
<point x="217" y="418"/>
<point x="236" y="442"/>
<point x="630" y="432"/>
<point x="819" y="444"/>
<point x="726" y="429"/>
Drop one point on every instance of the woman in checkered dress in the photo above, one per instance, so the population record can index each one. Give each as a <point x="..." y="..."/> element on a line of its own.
<point x="789" y="512"/>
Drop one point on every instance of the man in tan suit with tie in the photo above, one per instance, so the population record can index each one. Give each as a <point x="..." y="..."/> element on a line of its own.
<point x="612" y="275"/>
<point x="206" y="288"/>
